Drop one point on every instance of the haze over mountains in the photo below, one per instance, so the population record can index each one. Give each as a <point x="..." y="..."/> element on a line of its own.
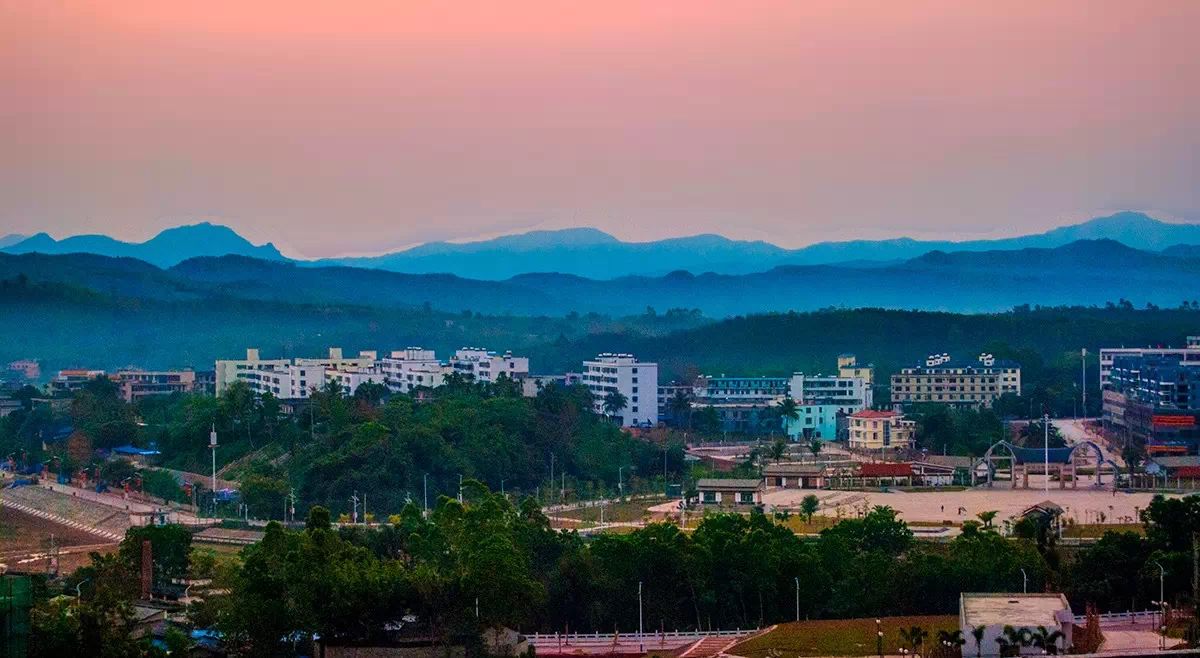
<point x="591" y="253"/>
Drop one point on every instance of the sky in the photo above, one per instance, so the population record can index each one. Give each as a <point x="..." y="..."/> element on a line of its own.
<point x="335" y="128"/>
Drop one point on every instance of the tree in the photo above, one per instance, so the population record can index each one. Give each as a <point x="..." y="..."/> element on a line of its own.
<point x="978" y="632"/>
<point x="809" y="506"/>
<point x="914" y="637"/>
<point x="815" y="446"/>
<point x="987" y="517"/>
<point x="680" y="405"/>
<point x="614" y="403"/>
<point x="778" y="450"/>
<point x="170" y="548"/>
<point x="1046" y="640"/>
<point x="788" y="411"/>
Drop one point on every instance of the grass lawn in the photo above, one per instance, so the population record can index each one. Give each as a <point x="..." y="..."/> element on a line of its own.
<point x="838" y="637"/>
<point x="632" y="510"/>
<point x="1097" y="530"/>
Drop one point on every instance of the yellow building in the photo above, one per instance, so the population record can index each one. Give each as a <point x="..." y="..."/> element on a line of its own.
<point x="874" y="430"/>
<point x="848" y="366"/>
<point x="943" y="380"/>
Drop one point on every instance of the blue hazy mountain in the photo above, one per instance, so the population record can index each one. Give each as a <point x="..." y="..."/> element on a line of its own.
<point x="11" y="239"/>
<point x="593" y="254"/>
<point x="168" y="248"/>
<point x="1085" y="272"/>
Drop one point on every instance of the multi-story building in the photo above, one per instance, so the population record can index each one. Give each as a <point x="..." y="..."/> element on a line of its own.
<point x="67" y="382"/>
<point x="874" y="430"/>
<point x="412" y="368"/>
<point x="136" y="384"/>
<point x="481" y="365"/>
<point x="849" y="368"/>
<point x="1190" y="354"/>
<point x="815" y="421"/>
<point x="1155" y="399"/>
<point x="351" y="378"/>
<point x="945" y="380"/>
<point x="849" y="393"/>
<point x="286" y="378"/>
<point x="636" y="380"/>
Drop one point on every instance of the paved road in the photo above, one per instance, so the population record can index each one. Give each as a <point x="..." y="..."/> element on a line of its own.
<point x="1074" y="431"/>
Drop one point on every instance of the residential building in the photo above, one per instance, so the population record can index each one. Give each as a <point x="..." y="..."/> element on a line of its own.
<point x="295" y="377"/>
<point x="960" y="382"/>
<point x="67" y="382"/>
<point x="816" y="421"/>
<point x="995" y="611"/>
<point x="666" y="395"/>
<point x="636" y="380"/>
<point x="136" y="384"/>
<point x="481" y="365"/>
<point x="850" y="394"/>
<point x="9" y="405"/>
<point x="532" y="385"/>
<point x="1187" y="355"/>
<point x="878" y="431"/>
<point x="849" y="368"/>
<point x="1155" y="400"/>
<point x="412" y="368"/>
<point x="735" y="493"/>
<point x="206" y="382"/>
<point x="351" y="378"/>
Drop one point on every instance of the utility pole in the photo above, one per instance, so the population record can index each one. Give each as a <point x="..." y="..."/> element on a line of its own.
<point x="641" y="643"/>
<point x="1083" y="362"/>
<point x="797" y="598"/>
<point x="212" y="443"/>
<point x="552" y="473"/>
<point x="425" y="483"/>
<point x="620" y="482"/>
<point x="1046" y="445"/>
<point x="354" y="508"/>
<point x="460" y="489"/>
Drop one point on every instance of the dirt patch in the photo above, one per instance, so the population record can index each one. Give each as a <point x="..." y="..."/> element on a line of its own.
<point x="25" y="541"/>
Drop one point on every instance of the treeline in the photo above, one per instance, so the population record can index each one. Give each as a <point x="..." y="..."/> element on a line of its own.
<point x="489" y="561"/>
<point x="392" y="448"/>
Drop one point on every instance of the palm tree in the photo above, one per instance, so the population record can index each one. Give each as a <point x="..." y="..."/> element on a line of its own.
<point x="1013" y="639"/>
<point x="614" y="402"/>
<point x="978" y="632"/>
<point x="987" y="518"/>
<point x="788" y="410"/>
<point x="681" y="408"/>
<point x="950" y="643"/>
<point x="814" y="447"/>
<point x="914" y="636"/>
<point x="778" y="450"/>
<point x="1047" y="640"/>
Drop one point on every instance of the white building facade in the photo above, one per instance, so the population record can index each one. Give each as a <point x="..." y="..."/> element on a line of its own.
<point x="636" y="380"/>
<point x="285" y="378"/>
<point x="412" y="368"/>
<point x="481" y="365"/>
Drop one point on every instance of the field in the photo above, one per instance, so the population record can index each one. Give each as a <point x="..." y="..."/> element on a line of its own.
<point x="24" y="540"/>
<point x="622" y="512"/>
<point x="1097" y="530"/>
<point x="838" y="637"/>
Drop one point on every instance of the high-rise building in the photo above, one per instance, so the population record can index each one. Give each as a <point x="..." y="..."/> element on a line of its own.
<point x="636" y="380"/>
<point x="481" y="365"/>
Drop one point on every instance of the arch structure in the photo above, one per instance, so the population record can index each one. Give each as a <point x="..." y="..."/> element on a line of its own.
<point x="1063" y="462"/>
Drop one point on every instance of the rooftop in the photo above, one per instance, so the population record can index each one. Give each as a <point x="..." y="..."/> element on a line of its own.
<point x="875" y="413"/>
<point x="727" y="484"/>
<point x="1019" y="610"/>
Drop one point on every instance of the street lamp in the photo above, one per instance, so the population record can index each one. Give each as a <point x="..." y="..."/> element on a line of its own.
<point x="797" y="598"/>
<point x="1024" y="582"/>
<point x="641" y="642"/>
<point x="879" y="638"/>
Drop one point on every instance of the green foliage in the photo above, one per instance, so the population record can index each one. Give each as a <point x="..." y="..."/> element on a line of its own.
<point x="956" y="431"/>
<point x="170" y="547"/>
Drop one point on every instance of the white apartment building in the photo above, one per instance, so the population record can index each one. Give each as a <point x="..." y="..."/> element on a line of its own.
<point x="942" y="379"/>
<point x="636" y="380"/>
<point x="351" y="378"/>
<point x="292" y="378"/>
<point x="484" y="366"/>
<point x="1188" y="356"/>
<point x="848" y="394"/>
<point x="412" y="368"/>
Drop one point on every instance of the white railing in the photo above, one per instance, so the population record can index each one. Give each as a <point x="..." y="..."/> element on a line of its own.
<point x="1148" y="617"/>
<point x="593" y="638"/>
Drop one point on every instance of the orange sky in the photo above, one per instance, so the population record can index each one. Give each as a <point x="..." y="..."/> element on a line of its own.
<point x="360" y="126"/>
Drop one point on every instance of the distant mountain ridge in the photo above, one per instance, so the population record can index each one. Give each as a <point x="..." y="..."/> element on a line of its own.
<point x="169" y="247"/>
<point x="591" y="253"/>
<point x="1086" y="272"/>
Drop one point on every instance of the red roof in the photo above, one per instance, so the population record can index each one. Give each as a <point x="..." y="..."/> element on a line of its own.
<point x="885" y="470"/>
<point x="873" y="413"/>
<point x="1187" y="472"/>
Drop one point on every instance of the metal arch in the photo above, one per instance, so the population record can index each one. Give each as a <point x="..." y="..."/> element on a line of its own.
<point x="988" y="459"/>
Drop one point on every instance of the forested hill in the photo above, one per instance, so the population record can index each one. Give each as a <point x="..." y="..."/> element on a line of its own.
<point x="1083" y="273"/>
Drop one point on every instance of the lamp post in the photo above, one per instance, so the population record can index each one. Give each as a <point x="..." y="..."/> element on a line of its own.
<point x="797" y="598"/>
<point x="1024" y="582"/>
<point x="1046" y="446"/>
<point x="879" y="638"/>
<point x="641" y="643"/>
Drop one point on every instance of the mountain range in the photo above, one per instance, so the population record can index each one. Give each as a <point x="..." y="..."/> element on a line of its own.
<point x="594" y="254"/>
<point x="168" y="248"/>
<point x="1084" y="272"/>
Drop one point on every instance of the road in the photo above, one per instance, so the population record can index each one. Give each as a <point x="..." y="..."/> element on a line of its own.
<point x="1074" y="431"/>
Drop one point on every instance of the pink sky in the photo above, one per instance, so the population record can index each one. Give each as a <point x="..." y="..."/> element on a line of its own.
<point x="362" y="126"/>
